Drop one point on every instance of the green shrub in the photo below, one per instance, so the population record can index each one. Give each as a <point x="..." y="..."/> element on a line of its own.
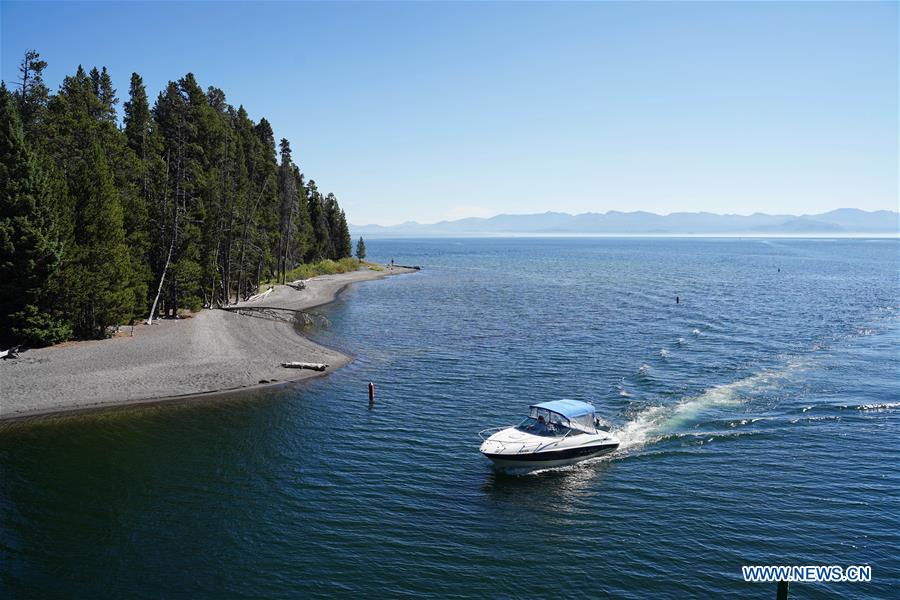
<point x="324" y="267"/>
<point x="35" y="328"/>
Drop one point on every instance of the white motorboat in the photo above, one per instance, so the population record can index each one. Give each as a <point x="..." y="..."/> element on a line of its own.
<point x="554" y="434"/>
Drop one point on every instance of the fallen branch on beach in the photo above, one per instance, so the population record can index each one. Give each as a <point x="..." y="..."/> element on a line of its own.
<point x="285" y="315"/>
<point x="305" y="365"/>
<point x="259" y="296"/>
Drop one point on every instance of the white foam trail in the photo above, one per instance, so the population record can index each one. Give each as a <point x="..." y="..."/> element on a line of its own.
<point x="658" y="421"/>
<point x="645" y="368"/>
<point x="886" y="406"/>
<point x="680" y="341"/>
<point x="664" y="353"/>
<point x="696" y="332"/>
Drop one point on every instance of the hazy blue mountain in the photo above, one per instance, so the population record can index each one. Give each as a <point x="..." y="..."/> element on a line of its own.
<point x="840" y="221"/>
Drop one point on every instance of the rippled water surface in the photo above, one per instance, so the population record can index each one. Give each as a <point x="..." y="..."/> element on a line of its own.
<point x="760" y="421"/>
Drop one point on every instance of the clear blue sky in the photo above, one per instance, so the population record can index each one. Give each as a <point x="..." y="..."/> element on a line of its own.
<point x="433" y="111"/>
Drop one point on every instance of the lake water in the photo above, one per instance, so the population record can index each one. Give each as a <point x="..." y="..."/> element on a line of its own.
<point x="760" y="421"/>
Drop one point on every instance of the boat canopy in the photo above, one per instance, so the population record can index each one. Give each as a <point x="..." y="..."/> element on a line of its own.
<point x="571" y="413"/>
<point x="570" y="409"/>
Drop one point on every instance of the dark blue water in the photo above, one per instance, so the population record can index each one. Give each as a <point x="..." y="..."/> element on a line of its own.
<point x="760" y="421"/>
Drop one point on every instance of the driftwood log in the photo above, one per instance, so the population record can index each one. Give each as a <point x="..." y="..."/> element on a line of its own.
<point x="286" y="315"/>
<point x="259" y="296"/>
<point x="305" y="365"/>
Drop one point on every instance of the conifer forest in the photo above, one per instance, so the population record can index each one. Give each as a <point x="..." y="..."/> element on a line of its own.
<point x="107" y="217"/>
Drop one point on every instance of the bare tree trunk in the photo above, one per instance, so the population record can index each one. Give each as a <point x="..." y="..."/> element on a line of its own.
<point x="225" y="266"/>
<point x="161" y="281"/>
<point x="212" y="285"/>
<point x="258" y="271"/>
<point x="290" y="228"/>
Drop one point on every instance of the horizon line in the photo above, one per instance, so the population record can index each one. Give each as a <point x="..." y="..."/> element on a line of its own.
<point x="758" y="236"/>
<point x="631" y="212"/>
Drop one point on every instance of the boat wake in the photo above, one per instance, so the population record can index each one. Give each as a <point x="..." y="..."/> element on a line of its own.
<point x="657" y="423"/>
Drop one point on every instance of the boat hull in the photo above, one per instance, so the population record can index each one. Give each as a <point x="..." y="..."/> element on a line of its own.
<point x="549" y="459"/>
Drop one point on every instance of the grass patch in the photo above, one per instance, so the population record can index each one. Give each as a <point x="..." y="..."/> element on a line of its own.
<point x="324" y="267"/>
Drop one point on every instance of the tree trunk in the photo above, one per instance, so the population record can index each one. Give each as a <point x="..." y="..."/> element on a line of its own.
<point x="161" y="281"/>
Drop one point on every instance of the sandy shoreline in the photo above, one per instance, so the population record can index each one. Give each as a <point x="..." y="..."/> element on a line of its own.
<point x="213" y="352"/>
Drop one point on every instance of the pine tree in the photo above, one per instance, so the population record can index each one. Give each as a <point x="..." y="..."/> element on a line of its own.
<point x="266" y="168"/>
<point x="287" y="194"/>
<point x="361" y="249"/>
<point x="341" y="244"/>
<point x="303" y="233"/>
<point x="96" y="280"/>
<point x="147" y="176"/>
<point x="138" y="120"/>
<point x="344" y="246"/>
<point x="321" y="243"/>
<point x="248" y="201"/>
<point x="32" y="95"/>
<point x="332" y="217"/>
<point x="106" y="95"/>
<point x="29" y="255"/>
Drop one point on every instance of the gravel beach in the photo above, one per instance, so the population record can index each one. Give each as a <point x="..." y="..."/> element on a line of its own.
<point x="212" y="351"/>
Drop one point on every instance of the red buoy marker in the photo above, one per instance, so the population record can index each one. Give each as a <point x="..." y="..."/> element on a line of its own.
<point x="371" y="393"/>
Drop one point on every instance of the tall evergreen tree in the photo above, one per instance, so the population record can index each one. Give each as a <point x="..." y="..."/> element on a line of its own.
<point x="338" y="231"/>
<point x="32" y="94"/>
<point x="332" y="218"/>
<point x="361" y="249"/>
<point x="144" y="211"/>
<point x="29" y="255"/>
<point x="267" y="233"/>
<point x="96" y="280"/>
<point x="287" y="194"/>
<point x="302" y="227"/>
<point x="137" y="120"/>
<point x="321" y="243"/>
<point x="345" y="247"/>
<point x="106" y="95"/>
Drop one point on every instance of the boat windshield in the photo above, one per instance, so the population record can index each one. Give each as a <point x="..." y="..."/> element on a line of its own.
<point x="542" y="427"/>
<point x="555" y="423"/>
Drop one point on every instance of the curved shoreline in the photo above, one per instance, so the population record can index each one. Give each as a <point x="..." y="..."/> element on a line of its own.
<point x="214" y="353"/>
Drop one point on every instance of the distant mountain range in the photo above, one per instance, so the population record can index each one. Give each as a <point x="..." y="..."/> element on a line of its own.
<point x="843" y="221"/>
